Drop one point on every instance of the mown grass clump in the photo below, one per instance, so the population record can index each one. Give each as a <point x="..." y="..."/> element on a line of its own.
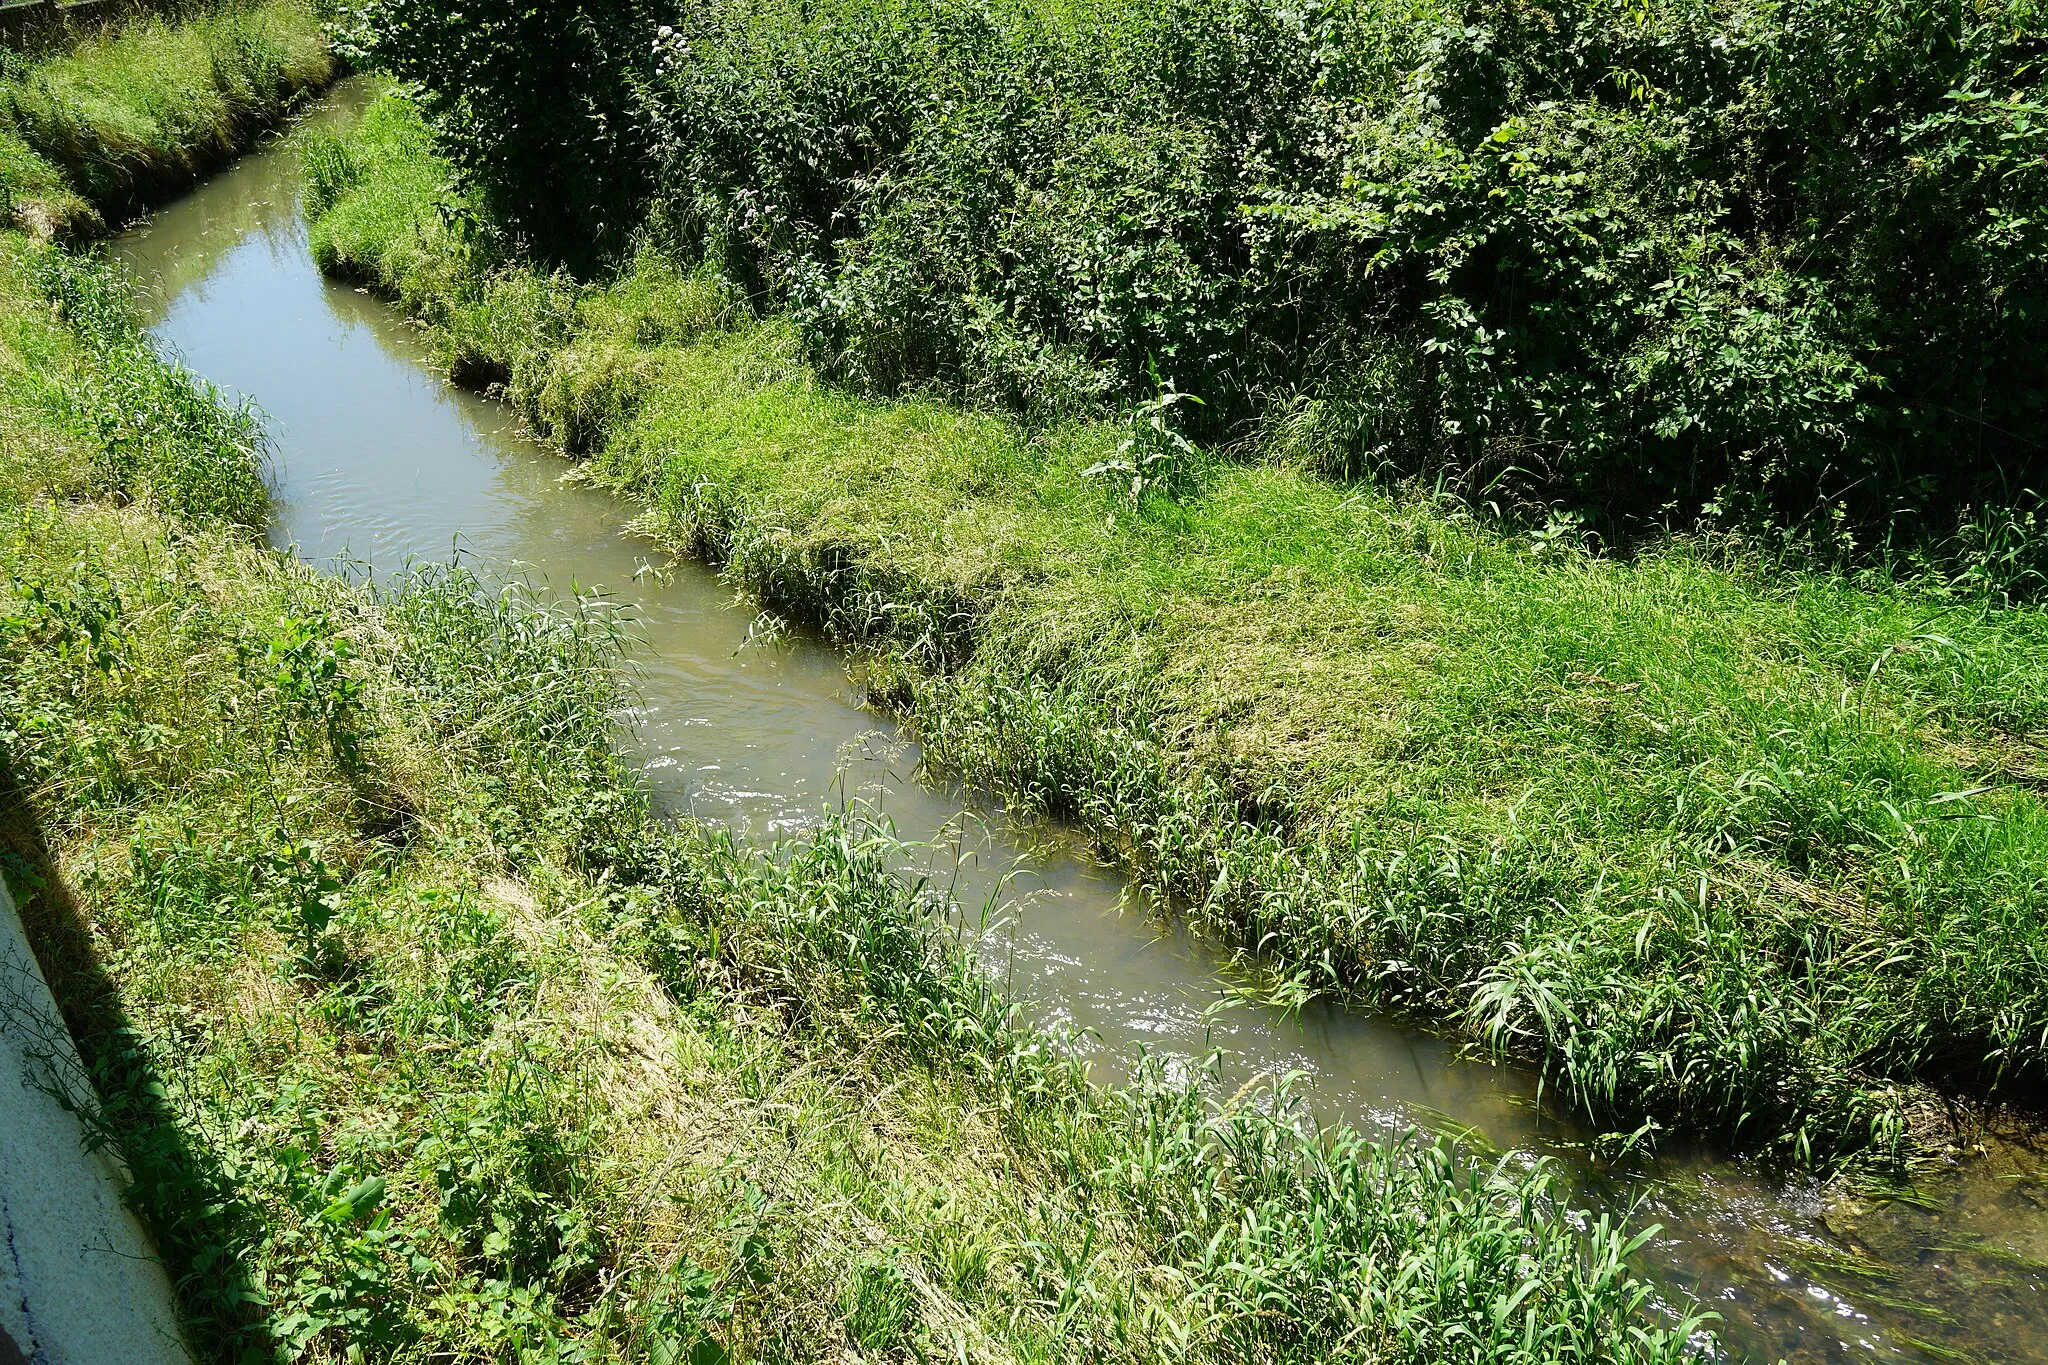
<point x="143" y="107"/>
<point x="424" y="1040"/>
<point x="1721" y="844"/>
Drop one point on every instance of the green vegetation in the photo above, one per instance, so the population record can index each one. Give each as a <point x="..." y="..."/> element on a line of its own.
<point x="424" y="1040"/>
<point x="1770" y="265"/>
<point x="139" y="110"/>
<point x="1721" y="844"/>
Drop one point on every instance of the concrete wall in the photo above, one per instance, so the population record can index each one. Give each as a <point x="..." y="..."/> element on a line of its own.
<point x="79" y="1281"/>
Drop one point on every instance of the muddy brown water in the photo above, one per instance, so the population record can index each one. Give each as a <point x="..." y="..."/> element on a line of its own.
<point x="378" y="462"/>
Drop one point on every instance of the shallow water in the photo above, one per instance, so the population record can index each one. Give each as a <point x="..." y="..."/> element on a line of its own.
<point x="380" y="462"/>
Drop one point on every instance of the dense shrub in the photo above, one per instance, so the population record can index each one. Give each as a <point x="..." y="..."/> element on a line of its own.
<point x="1767" y="263"/>
<point x="535" y="103"/>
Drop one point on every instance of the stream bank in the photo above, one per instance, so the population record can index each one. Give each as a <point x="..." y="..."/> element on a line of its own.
<point x="423" y="1036"/>
<point x="134" y="106"/>
<point x="378" y="457"/>
<point x="1679" y="827"/>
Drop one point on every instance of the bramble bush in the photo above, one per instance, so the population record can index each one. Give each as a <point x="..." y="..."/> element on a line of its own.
<point x="1762" y="265"/>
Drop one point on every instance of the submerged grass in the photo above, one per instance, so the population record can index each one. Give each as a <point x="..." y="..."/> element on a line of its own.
<point x="1721" y="845"/>
<point x="141" y="108"/>
<point x="423" y="1040"/>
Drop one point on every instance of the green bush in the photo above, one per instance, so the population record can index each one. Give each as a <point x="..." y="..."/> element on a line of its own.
<point x="537" y="102"/>
<point x="1766" y="264"/>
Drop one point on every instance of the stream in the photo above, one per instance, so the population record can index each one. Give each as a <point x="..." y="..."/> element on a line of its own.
<point x="379" y="462"/>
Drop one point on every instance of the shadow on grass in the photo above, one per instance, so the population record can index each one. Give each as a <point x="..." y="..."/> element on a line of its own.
<point x="188" y="1203"/>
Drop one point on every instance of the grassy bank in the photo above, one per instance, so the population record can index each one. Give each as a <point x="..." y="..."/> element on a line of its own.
<point x="1774" y="266"/>
<point x="141" y="109"/>
<point x="423" y="1040"/>
<point x="1720" y="844"/>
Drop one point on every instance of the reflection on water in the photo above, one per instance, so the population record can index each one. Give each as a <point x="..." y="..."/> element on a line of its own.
<point x="380" y="461"/>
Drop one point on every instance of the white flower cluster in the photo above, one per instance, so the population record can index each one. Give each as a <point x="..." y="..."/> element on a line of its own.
<point x="670" y="51"/>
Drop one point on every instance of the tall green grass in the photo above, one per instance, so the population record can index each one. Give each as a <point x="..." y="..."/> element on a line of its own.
<point x="155" y="430"/>
<point x="1721" y="845"/>
<point x="143" y="107"/>
<point x="424" y="1039"/>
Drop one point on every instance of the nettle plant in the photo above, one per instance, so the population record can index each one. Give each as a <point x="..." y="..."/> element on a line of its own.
<point x="1155" y="458"/>
<point x="302" y="666"/>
